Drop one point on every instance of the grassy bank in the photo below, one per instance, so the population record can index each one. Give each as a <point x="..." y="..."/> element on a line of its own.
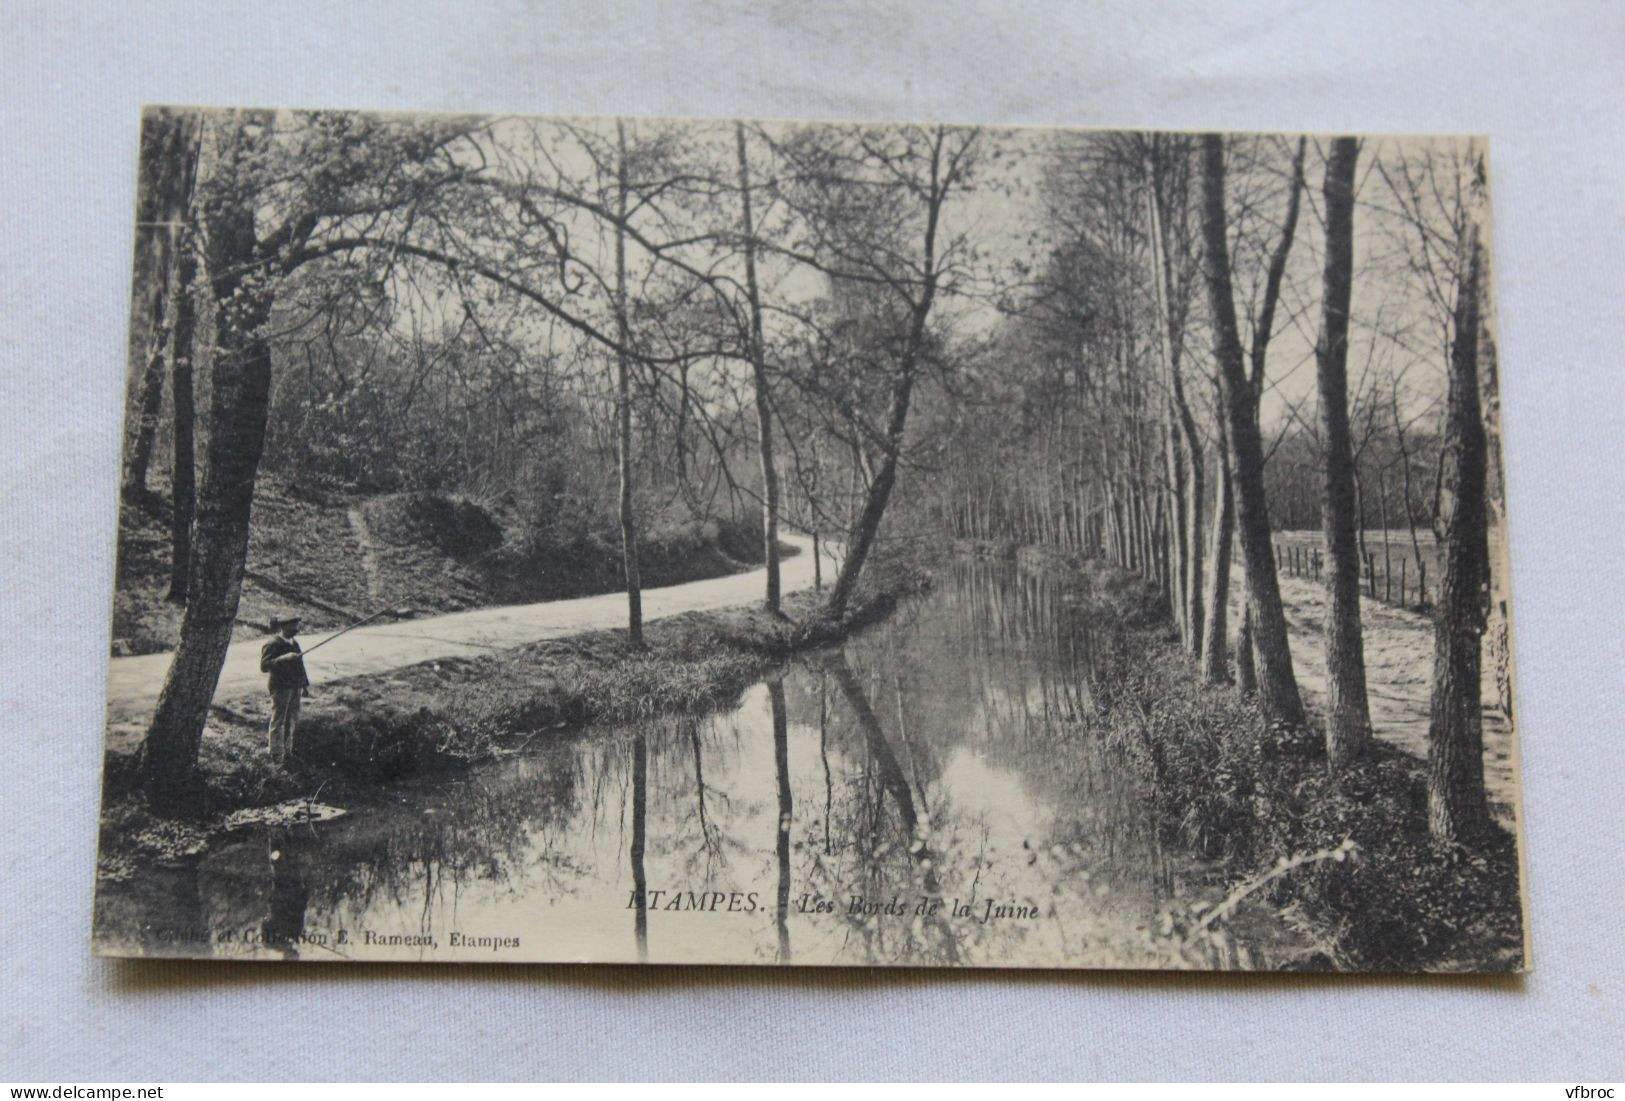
<point x="1346" y="862"/>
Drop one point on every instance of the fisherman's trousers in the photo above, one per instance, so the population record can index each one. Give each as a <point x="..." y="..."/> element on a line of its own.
<point x="284" y="717"/>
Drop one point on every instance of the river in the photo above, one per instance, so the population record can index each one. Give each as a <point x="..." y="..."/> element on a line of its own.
<point x="926" y="794"/>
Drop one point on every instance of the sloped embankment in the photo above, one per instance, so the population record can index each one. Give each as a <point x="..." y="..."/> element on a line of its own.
<point x="334" y="558"/>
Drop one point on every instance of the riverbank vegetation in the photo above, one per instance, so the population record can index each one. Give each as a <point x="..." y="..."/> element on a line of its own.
<point x="1344" y="859"/>
<point x="436" y="719"/>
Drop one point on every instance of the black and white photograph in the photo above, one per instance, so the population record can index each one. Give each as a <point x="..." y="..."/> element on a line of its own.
<point x="757" y="542"/>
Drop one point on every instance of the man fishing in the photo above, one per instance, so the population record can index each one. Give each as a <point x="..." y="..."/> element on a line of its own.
<point x="285" y="662"/>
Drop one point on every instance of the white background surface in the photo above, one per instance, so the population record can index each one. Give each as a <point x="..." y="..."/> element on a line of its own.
<point x="1545" y="80"/>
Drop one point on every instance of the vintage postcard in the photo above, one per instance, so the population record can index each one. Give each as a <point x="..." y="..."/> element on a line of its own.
<point x="615" y="540"/>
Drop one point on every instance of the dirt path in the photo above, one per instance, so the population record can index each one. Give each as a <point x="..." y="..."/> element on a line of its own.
<point x="1399" y="675"/>
<point x="133" y="683"/>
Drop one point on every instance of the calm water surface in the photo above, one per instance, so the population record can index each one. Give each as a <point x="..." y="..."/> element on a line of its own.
<point x="926" y="794"/>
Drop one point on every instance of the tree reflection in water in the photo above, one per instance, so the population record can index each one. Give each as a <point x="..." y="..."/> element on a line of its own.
<point x="781" y="775"/>
<point x="987" y="781"/>
<point x="640" y="813"/>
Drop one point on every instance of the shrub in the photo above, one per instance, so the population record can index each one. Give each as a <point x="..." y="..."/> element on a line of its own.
<point x="456" y="526"/>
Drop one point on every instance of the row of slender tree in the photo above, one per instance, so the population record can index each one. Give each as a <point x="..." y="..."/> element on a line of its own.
<point x="1137" y="358"/>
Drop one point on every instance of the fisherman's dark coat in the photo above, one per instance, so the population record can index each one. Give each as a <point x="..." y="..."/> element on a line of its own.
<point x="288" y="675"/>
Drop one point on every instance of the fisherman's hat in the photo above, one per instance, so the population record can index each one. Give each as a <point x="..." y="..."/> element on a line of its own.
<point x="279" y="622"/>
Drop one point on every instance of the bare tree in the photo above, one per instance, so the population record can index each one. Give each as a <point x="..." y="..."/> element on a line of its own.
<point x="183" y="390"/>
<point x="339" y="157"/>
<point x="1214" y="642"/>
<point x="1436" y="195"/>
<point x="1457" y="804"/>
<point x="1167" y="172"/>
<point x="239" y="403"/>
<point x="623" y="399"/>
<point x="905" y="175"/>
<point x="169" y="150"/>
<point x="758" y="364"/>
<point x="1277" y="685"/>
<point x="1348" y="717"/>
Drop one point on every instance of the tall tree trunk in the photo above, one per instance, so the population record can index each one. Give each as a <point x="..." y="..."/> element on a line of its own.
<point x="1124" y="520"/>
<point x="1151" y="510"/>
<point x="1224" y="496"/>
<point x="1178" y="530"/>
<point x="1160" y="540"/>
<point x="874" y="505"/>
<point x="1126" y="528"/>
<point x="764" y="405"/>
<point x="1410" y="511"/>
<point x="880" y="486"/>
<point x="1225" y="507"/>
<point x="169" y="144"/>
<point x="1197" y="612"/>
<point x="1457" y="805"/>
<point x="1136" y="531"/>
<point x="1184" y="443"/>
<point x="1348" y="717"/>
<point x="1246" y="654"/>
<point x="1114" y="513"/>
<point x="1215" y="659"/>
<point x="1144" y="555"/>
<point x="902" y="390"/>
<point x="239" y="406"/>
<point x="1382" y="526"/>
<point x="1277" y="686"/>
<point x="623" y="403"/>
<point x="184" y="477"/>
<point x="149" y="410"/>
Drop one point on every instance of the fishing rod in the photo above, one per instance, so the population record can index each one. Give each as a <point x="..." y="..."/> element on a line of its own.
<point x="399" y="613"/>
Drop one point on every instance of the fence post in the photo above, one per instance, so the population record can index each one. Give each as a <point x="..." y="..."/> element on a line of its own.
<point x="1402" y="582"/>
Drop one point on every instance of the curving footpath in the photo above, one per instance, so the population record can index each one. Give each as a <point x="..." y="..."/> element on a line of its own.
<point x="133" y="683"/>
